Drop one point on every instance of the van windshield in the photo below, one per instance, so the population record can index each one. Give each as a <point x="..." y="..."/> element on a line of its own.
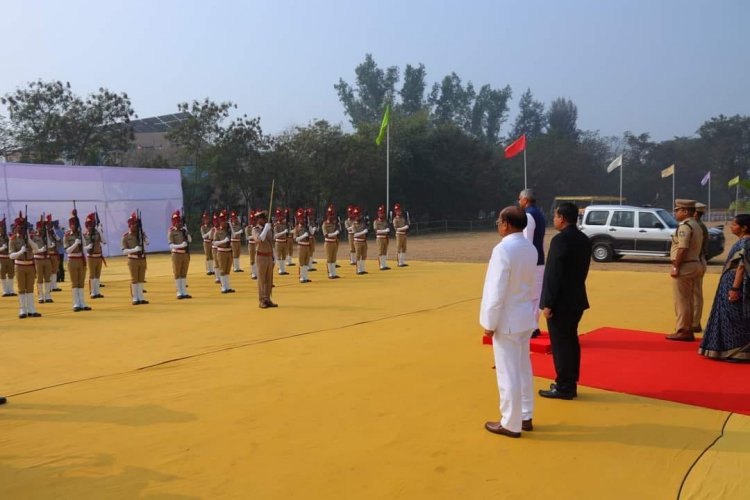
<point x="667" y="217"/>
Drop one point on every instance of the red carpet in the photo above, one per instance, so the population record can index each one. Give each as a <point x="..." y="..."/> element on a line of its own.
<point x="645" y="364"/>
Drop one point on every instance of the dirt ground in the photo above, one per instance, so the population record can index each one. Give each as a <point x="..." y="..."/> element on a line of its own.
<point x="477" y="246"/>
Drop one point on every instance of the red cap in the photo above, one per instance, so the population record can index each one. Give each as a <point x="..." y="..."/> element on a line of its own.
<point x="397" y="207"/>
<point x="91" y="218"/>
<point x="300" y="213"/>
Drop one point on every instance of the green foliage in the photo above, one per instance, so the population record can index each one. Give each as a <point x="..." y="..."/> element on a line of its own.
<point x="50" y="124"/>
<point x="531" y="119"/>
<point x="562" y="119"/>
<point x="374" y="87"/>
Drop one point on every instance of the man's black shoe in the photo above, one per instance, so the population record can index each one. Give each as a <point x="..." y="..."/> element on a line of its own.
<point x="554" y="393"/>
<point x="3" y="400"/>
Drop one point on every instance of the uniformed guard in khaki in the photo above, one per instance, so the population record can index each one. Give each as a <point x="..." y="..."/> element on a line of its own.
<point x="222" y="243"/>
<point x="21" y="250"/>
<point x="93" y="239"/>
<point x="289" y="240"/>
<point x="687" y="267"/>
<point x="7" y="269"/>
<point x="401" y="226"/>
<point x="251" y="233"/>
<point x="264" y="260"/>
<point x="179" y="240"/>
<point x="312" y="226"/>
<point x="280" y="238"/>
<point x="348" y="223"/>
<point x="380" y="225"/>
<point x="206" y="229"/>
<point x="301" y="235"/>
<point x="359" y="231"/>
<point x="73" y="243"/>
<point x="331" y="229"/>
<point x="54" y="257"/>
<point x="235" y="227"/>
<point x="42" y="264"/>
<point x="133" y="245"/>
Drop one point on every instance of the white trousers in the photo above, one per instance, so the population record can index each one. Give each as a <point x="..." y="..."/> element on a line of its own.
<point x="514" y="378"/>
<point x="537" y="291"/>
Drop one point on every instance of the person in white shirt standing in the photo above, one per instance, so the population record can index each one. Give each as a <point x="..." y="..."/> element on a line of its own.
<point x="507" y="315"/>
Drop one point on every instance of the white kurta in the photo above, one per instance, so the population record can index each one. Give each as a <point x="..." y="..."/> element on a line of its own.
<point x="508" y="309"/>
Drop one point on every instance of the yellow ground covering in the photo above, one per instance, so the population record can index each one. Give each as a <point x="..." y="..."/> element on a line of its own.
<point x="370" y="386"/>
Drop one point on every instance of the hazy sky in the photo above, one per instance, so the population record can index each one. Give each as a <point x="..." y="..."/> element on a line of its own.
<point x="662" y="67"/>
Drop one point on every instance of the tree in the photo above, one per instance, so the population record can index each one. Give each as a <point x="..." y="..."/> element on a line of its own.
<point x="97" y="130"/>
<point x="412" y="92"/>
<point x="452" y="103"/>
<point x="196" y="136"/>
<point x="37" y="113"/>
<point x="374" y="87"/>
<point x="234" y="162"/>
<point x="51" y="123"/>
<point x="489" y="113"/>
<point x="562" y="118"/>
<point x="7" y="143"/>
<point x="531" y="119"/>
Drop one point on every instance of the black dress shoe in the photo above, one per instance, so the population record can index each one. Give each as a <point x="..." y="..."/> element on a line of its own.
<point x="57" y="289"/>
<point x="22" y="316"/>
<point x="86" y="308"/>
<point x="496" y="428"/>
<point x="305" y="281"/>
<point x="362" y="272"/>
<point x="180" y="297"/>
<point x="77" y="309"/>
<point x="527" y="425"/>
<point x="283" y="274"/>
<point x="48" y="301"/>
<point x="35" y="315"/>
<point x="143" y="302"/>
<point x="3" y="400"/>
<point x="187" y="296"/>
<point x="386" y="268"/>
<point x="554" y="393"/>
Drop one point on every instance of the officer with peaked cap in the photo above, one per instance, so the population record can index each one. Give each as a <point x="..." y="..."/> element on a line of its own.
<point x="685" y="253"/>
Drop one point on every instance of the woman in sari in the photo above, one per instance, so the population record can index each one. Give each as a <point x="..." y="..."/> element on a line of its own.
<point x="727" y="334"/>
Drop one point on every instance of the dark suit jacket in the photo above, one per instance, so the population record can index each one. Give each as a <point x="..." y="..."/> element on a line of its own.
<point x="568" y="259"/>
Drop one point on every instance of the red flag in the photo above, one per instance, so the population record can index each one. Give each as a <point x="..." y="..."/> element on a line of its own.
<point x="516" y="147"/>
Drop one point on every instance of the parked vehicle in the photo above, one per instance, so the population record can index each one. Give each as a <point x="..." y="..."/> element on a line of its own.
<point x="619" y="230"/>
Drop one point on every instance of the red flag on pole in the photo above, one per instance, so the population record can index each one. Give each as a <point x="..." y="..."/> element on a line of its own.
<point x="516" y="147"/>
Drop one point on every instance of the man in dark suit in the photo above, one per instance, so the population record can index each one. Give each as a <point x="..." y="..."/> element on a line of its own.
<point x="564" y="299"/>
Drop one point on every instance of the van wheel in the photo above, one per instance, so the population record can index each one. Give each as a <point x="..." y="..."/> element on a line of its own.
<point x="602" y="252"/>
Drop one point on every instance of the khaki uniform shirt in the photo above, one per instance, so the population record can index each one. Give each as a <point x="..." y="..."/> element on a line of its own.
<point x="378" y="225"/>
<point x="277" y="228"/>
<point x="299" y="231"/>
<point x="220" y="234"/>
<point x="358" y="227"/>
<point x="330" y="227"/>
<point x="130" y="240"/>
<point x="177" y="237"/>
<point x="264" y="246"/>
<point x="96" y="250"/>
<point x="68" y="240"/>
<point x="15" y="245"/>
<point x="689" y="236"/>
<point x="399" y="221"/>
<point x="704" y="247"/>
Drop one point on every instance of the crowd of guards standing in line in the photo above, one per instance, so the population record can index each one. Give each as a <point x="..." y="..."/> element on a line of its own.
<point x="36" y="253"/>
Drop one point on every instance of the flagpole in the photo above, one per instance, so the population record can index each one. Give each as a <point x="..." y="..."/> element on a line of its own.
<point x="736" y="199"/>
<point x="388" y="166"/>
<point x="709" y="196"/>
<point x="621" y="168"/>
<point x="674" y="174"/>
<point x="525" y="184"/>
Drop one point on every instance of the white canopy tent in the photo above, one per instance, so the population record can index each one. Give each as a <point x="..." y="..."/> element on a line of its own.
<point x="115" y="192"/>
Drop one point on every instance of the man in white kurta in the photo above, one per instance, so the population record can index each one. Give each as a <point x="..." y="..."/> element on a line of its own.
<point x="507" y="315"/>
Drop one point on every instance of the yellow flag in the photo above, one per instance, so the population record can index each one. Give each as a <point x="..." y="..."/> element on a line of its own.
<point x="733" y="182"/>
<point x="667" y="171"/>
